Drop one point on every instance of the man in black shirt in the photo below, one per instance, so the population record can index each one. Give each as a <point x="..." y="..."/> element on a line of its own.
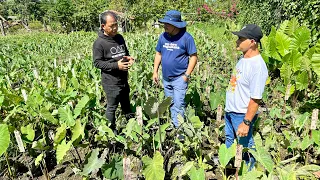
<point x="110" y="54"/>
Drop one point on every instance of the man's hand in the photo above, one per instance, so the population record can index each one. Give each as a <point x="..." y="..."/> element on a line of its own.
<point x="123" y="66"/>
<point x="243" y="130"/>
<point x="131" y="60"/>
<point x="155" y="78"/>
<point x="185" y="78"/>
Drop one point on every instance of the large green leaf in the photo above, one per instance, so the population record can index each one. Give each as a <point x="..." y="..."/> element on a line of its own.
<point x="164" y="105"/>
<point x="113" y="170"/>
<point x="301" y="39"/>
<point x="28" y="132"/>
<point x="293" y="25"/>
<point x="81" y="104"/>
<point x="60" y="134"/>
<point x="47" y="116"/>
<point x="283" y="43"/>
<point x="195" y="120"/>
<point x="307" y="170"/>
<point x="262" y="155"/>
<point x="225" y="154"/>
<point x="285" y="72"/>
<point x="153" y="168"/>
<point x="273" y="49"/>
<point x="65" y="116"/>
<point x="251" y="175"/>
<point x="4" y="138"/>
<point x="77" y="130"/>
<point x="94" y="163"/>
<point x="316" y="136"/>
<point x="216" y="98"/>
<point x="283" y="26"/>
<point x="302" y="81"/>
<point x="62" y="150"/>
<point x="315" y="63"/>
<point x="301" y="121"/>
<point x="306" y="142"/>
<point x="305" y="63"/>
<point x="293" y="59"/>
<point x="186" y="168"/>
<point x="196" y="174"/>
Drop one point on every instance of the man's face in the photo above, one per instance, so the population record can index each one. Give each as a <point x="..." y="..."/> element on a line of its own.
<point x="111" y="26"/>
<point x="244" y="44"/>
<point x="169" y="28"/>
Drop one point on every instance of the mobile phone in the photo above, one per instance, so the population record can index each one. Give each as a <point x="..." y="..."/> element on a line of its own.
<point x="125" y="59"/>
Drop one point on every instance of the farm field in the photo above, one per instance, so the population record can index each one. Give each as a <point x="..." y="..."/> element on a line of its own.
<point x="52" y="105"/>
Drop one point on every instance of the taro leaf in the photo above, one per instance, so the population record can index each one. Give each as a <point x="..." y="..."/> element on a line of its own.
<point x="316" y="136"/>
<point x="113" y="170"/>
<point x="283" y="43"/>
<point x="186" y="168"/>
<point x="81" y="104"/>
<point x="307" y="170"/>
<point x="4" y="138"/>
<point x="28" y="132"/>
<point x="315" y="63"/>
<point x="60" y="134"/>
<point x="62" y="150"/>
<point x="151" y="122"/>
<point x="163" y="128"/>
<point x="262" y="155"/>
<point x="164" y="105"/>
<point x="285" y="72"/>
<point x="93" y="163"/>
<point x="38" y="159"/>
<point x="301" y="120"/>
<point x="65" y="116"/>
<point x="251" y="175"/>
<point x="273" y="49"/>
<point x="77" y="130"/>
<point x="293" y="25"/>
<point x="283" y="26"/>
<point x="302" y="81"/>
<point x="301" y="39"/>
<point x="306" y="142"/>
<point x="47" y="116"/>
<point x="105" y="129"/>
<point x="216" y="98"/>
<point x="225" y="154"/>
<point x="153" y="168"/>
<point x="195" y="120"/>
<point x="151" y="107"/>
<point x="196" y="174"/>
<point x="75" y="82"/>
<point x="293" y="59"/>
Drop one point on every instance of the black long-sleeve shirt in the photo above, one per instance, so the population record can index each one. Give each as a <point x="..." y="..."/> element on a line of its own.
<point x="107" y="51"/>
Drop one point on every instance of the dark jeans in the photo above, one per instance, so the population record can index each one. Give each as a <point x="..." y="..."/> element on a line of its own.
<point x="117" y="94"/>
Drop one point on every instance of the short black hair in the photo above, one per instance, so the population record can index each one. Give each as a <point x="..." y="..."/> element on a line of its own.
<point x="103" y="16"/>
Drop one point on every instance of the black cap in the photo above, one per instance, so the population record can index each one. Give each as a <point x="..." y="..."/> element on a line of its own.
<point x="250" y="31"/>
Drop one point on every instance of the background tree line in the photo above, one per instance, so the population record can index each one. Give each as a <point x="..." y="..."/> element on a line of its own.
<point x="73" y="15"/>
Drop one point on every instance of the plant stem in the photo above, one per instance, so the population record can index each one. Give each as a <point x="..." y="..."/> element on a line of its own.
<point x="8" y="164"/>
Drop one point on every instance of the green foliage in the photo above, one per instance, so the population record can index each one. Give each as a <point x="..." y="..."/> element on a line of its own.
<point x="4" y="138"/>
<point x="225" y="154"/>
<point x="113" y="170"/>
<point x="62" y="150"/>
<point x="153" y="168"/>
<point x="94" y="163"/>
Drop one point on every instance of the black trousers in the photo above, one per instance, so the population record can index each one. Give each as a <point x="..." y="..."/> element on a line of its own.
<point x="117" y="94"/>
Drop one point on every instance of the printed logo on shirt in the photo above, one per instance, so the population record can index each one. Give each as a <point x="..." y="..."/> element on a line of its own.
<point x="118" y="51"/>
<point x="236" y="74"/>
<point x="171" y="46"/>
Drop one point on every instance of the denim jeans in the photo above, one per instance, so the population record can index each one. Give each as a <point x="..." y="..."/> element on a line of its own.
<point x="232" y="122"/>
<point x="117" y="94"/>
<point x="176" y="89"/>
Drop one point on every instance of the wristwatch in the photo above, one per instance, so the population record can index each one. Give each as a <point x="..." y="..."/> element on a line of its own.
<point x="247" y="122"/>
<point x="188" y="76"/>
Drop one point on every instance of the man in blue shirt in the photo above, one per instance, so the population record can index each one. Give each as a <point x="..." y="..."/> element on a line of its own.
<point x="177" y="52"/>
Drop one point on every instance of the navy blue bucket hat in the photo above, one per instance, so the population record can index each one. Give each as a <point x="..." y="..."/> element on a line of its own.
<point x="173" y="17"/>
